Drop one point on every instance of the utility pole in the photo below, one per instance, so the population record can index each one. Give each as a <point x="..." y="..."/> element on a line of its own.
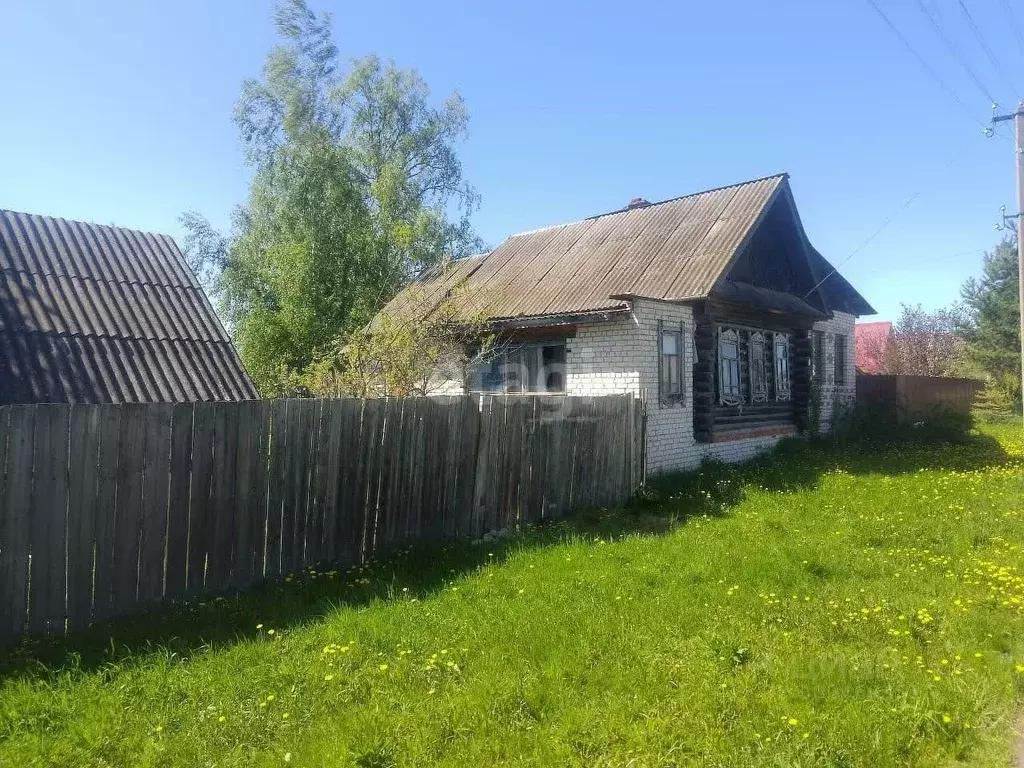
<point x="1018" y="121"/>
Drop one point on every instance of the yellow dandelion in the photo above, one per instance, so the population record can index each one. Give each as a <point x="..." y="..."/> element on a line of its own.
<point x="259" y="626"/>
<point x="793" y="721"/>
<point x="221" y="719"/>
<point x="285" y="716"/>
<point x="383" y="667"/>
<point x="946" y="718"/>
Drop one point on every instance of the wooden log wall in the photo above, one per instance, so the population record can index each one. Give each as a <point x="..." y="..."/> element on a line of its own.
<point x="106" y="510"/>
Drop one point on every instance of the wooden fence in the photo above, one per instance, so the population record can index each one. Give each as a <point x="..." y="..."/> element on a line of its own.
<point x="911" y="395"/>
<point x="109" y="509"/>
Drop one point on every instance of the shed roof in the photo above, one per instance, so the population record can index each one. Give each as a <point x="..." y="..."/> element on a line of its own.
<point x="101" y="314"/>
<point x="674" y="250"/>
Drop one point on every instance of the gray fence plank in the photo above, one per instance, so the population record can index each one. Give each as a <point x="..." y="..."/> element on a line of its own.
<point x="14" y="519"/>
<point x="371" y="447"/>
<point x="243" y="512"/>
<point x="153" y="541"/>
<point x="200" y="522"/>
<point x="328" y="472"/>
<point x="472" y="421"/>
<point x="536" y="451"/>
<point x="258" y="488"/>
<point x="419" y="486"/>
<point x="351" y="521"/>
<point x="277" y="486"/>
<point x="131" y="467"/>
<point x="48" y="581"/>
<point x="301" y="428"/>
<point x="319" y="446"/>
<point x="6" y="632"/>
<point x="294" y="465"/>
<point x="483" y="493"/>
<point x="178" y="500"/>
<point x="82" y="487"/>
<point x="451" y="466"/>
<point x="391" y="448"/>
<point x="106" y="496"/>
<point x="222" y="489"/>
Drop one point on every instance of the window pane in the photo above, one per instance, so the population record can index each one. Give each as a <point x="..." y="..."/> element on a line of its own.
<point x="670" y="344"/>
<point x="840" y="360"/>
<point x="553" y="355"/>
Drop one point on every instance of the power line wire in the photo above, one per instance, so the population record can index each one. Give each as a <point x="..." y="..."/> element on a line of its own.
<point x="935" y="75"/>
<point x="984" y="46"/>
<point x="955" y="51"/>
<point x="888" y="220"/>
<point x="1013" y="24"/>
<point x="928" y="67"/>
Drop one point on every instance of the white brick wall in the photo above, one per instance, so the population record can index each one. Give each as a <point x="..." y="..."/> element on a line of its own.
<point x="622" y="356"/>
<point x="837" y="393"/>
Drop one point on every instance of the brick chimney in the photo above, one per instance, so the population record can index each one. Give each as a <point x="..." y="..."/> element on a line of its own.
<point x="637" y="202"/>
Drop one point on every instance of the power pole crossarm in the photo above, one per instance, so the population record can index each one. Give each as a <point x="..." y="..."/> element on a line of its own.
<point x="1018" y="122"/>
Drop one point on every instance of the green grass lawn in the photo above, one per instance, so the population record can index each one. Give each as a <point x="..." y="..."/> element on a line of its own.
<point x="826" y="606"/>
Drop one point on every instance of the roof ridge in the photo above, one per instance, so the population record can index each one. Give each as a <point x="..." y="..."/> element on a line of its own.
<point x="86" y="223"/>
<point x="780" y="175"/>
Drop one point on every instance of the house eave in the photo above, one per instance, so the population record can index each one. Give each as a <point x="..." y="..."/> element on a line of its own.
<point x="546" y="321"/>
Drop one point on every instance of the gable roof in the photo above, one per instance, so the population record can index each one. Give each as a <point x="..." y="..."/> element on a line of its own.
<point x="100" y="314"/>
<point x="675" y="250"/>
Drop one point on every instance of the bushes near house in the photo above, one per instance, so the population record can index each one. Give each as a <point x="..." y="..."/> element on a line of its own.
<point x="880" y="423"/>
<point x="832" y="604"/>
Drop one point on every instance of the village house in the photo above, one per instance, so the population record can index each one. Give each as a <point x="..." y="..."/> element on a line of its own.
<point x="713" y="307"/>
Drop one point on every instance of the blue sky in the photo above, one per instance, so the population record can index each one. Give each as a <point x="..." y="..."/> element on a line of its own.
<point x="120" y="112"/>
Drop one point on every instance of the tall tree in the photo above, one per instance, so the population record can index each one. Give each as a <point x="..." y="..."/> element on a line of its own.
<point x="356" y="186"/>
<point x="927" y="343"/>
<point x="993" y="330"/>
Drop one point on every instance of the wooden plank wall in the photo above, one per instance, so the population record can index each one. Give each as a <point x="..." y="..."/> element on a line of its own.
<point x="106" y="510"/>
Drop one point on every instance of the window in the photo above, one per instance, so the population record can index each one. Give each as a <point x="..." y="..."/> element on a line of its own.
<point x="729" y="388"/>
<point x="782" y="388"/>
<point x="840" y="360"/>
<point x="758" y="368"/>
<point x="671" y="366"/>
<point x="527" y="367"/>
<point x="817" y="354"/>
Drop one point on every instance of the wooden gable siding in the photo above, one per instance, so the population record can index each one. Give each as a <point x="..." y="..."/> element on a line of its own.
<point x="777" y="258"/>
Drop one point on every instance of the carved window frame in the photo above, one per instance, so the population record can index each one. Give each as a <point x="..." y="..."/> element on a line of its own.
<point x="730" y="387"/>
<point x="783" y="378"/>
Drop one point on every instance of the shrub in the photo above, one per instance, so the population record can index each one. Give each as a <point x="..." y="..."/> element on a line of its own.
<point x="880" y="423"/>
<point x="1000" y="399"/>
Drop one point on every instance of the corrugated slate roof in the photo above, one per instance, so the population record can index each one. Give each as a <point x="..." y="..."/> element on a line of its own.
<point x="675" y="250"/>
<point x="99" y="314"/>
<point x="671" y="250"/>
